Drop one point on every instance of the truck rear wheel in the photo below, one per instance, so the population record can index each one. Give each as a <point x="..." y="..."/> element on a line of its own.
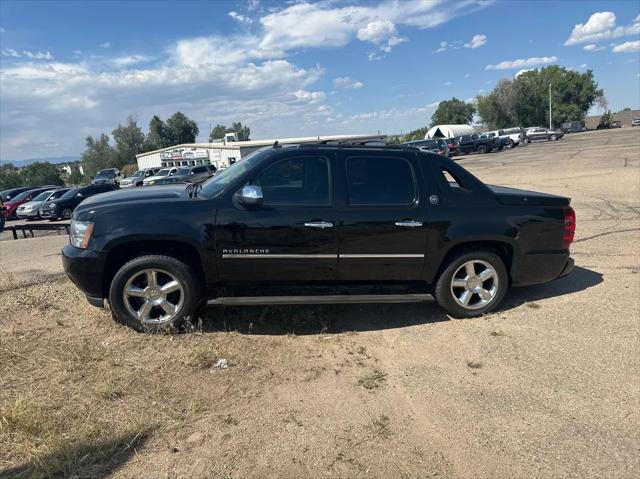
<point x="154" y="293"/>
<point x="472" y="284"/>
<point x="482" y="149"/>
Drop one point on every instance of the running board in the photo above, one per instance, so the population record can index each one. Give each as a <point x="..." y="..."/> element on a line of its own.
<point x="322" y="299"/>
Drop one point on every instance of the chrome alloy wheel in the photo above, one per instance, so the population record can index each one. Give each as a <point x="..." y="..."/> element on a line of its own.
<point x="474" y="284"/>
<point x="153" y="296"/>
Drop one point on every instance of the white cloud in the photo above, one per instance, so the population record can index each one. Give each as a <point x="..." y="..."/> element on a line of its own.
<point x="240" y="18"/>
<point x="10" y="52"/>
<point x="584" y="65"/>
<point x="467" y="75"/>
<point x="38" y="55"/>
<point x="601" y="26"/>
<point x="592" y="47"/>
<point x="443" y="47"/>
<point x="347" y="83"/>
<point x="476" y="41"/>
<point x="322" y="24"/>
<point x="1" y="29"/>
<point x="447" y="83"/>
<point x="522" y="63"/>
<point x="105" y="45"/>
<point x="627" y="47"/>
<point x="128" y="60"/>
<point x="381" y="33"/>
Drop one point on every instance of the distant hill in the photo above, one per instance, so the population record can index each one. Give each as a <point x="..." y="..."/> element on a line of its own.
<point x="50" y="159"/>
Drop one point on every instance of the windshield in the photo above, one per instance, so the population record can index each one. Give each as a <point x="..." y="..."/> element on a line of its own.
<point x="137" y="174"/>
<point x="164" y="172"/>
<point x="215" y="184"/>
<point x="183" y="171"/>
<point x="58" y="194"/>
<point x="105" y="174"/>
<point x="70" y="194"/>
<point x="42" y="196"/>
<point x="21" y="196"/>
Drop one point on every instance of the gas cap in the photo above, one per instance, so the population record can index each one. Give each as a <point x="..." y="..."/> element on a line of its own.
<point x="434" y="200"/>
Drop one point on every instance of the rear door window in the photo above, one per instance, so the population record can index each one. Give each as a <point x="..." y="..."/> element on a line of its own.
<point x="380" y="181"/>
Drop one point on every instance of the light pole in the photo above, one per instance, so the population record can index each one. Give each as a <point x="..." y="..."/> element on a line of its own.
<point x="550" y="127"/>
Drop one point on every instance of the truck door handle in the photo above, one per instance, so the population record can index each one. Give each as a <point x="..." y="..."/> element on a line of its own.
<point x="319" y="224"/>
<point x="409" y="224"/>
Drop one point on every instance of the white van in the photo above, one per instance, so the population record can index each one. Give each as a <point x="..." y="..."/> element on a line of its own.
<point x="514" y="136"/>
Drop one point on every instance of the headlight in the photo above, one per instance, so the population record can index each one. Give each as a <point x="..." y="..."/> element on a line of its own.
<point x="51" y="206"/>
<point x="151" y="182"/>
<point x="80" y="233"/>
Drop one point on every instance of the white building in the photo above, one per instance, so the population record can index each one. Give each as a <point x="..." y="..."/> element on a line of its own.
<point x="449" y="131"/>
<point x="222" y="154"/>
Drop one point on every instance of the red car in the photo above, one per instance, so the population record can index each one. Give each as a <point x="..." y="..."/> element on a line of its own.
<point x="10" y="207"/>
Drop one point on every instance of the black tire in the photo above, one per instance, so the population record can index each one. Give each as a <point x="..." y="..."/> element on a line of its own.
<point x="481" y="149"/>
<point x="66" y="213"/>
<point x="444" y="291"/>
<point x="510" y="143"/>
<point x="182" y="273"/>
<point x="553" y="137"/>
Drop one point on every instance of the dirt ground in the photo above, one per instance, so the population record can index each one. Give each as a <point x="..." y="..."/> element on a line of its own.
<point x="547" y="387"/>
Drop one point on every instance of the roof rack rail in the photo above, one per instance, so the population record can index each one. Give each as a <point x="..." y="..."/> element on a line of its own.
<point x="358" y="144"/>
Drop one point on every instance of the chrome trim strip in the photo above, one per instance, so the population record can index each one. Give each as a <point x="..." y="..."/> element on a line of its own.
<point x="382" y="255"/>
<point x="318" y="256"/>
<point x="321" y="299"/>
<point x="279" y="256"/>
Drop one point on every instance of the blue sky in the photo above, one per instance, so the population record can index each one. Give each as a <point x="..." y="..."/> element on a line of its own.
<point x="286" y="68"/>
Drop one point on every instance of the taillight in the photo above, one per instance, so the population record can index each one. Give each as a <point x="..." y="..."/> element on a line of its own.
<point x="569" y="227"/>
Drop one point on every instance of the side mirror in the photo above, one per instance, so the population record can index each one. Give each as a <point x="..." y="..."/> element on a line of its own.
<point x="250" y="195"/>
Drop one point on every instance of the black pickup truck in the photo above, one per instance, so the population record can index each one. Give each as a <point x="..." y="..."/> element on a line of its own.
<point x="316" y="219"/>
<point x="477" y="143"/>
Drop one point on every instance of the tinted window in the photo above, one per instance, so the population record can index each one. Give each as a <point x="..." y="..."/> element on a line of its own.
<point x="215" y="184"/>
<point x="71" y="193"/>
<point x="199" y="169"/>
<point x="298" y="181"/>
<point x="100" y="189"/>
<point x="24" y="195"/>
<point x="380" y="181"/>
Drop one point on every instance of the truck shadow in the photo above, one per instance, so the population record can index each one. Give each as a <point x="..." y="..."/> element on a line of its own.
<point x="343" y="318"/>
<point x="98" y="459"/>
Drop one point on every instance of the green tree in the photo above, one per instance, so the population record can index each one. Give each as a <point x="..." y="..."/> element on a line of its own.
<point x="130" y="141"/>
<point x="217" y="133"/>
<point x="453" y="112"/>
<point x="524" y="101"/>
<point x="75" y="178"/>
<point x="416" y="134"/>
<point x="181" y="129"/>
<point x="9" y="177"/>
<point x="99" y="154"/>
<point x="606" y="119"/>
<point x="41" y="174"/>
<point x="158" y="136"/>
<point x="243" y="131"/>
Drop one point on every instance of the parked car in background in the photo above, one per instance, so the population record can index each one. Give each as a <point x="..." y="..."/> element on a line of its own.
<point x="11" y="206"/>
<point x="138" y="177"/>
<point x="436" y="145"/>
<point x="573" y="127"/>
<point x="452" y="143"/>
<point x="635" y="122"/>
<point x="7" y="195"/>
<point x="30" y="210"/>
<point x="475" y="144"/>
<point x="150" y="181"/>
<point x="188" y="174"/>
<point x="512" y="136"/>
<point x="63" y="207"/>
<point x="502" y="141"/>
<point x="538" y="133"/>
<point x="108" y="176"/>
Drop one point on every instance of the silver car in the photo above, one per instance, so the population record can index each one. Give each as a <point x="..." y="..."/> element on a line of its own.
<point x="138" y="177"/>
<point x="30" y="210"/>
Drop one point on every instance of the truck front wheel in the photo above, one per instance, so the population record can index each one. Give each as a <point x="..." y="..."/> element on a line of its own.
<point x="472" y="284"/>
<point x="153" y="293"/>
<point x="482" y="149"/>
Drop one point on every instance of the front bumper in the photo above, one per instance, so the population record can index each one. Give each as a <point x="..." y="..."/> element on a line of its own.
<point x="85" y="269"/>
<point x="27" y="214"/>
<point x="46" y="213"/>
